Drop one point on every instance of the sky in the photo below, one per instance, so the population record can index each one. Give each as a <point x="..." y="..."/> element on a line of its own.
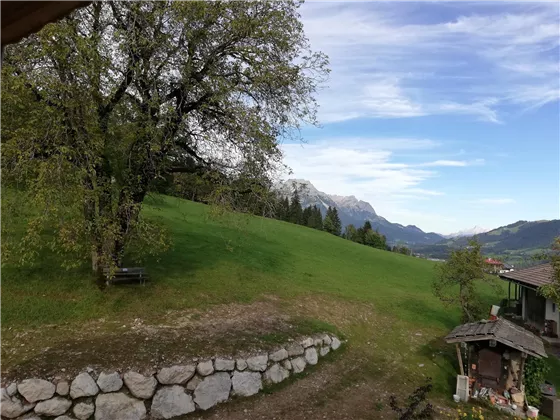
<point x="443" y="115"/>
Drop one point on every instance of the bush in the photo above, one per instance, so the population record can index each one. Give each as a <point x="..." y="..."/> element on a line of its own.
<point x="416" y="407"/>
<point x="535" y="374"/>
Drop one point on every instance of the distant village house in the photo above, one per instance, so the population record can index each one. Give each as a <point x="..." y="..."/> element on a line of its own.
<point x="497" y="267"/>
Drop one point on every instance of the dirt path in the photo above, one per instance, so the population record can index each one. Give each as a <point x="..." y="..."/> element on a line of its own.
<point x="325" y="393"/>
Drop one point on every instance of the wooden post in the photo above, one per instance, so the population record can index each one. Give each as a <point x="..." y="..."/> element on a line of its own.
<point x="509" y="294"/>
<point x="461" y="368"/>
<point x="469" y="360"/>
<point x="521" y="369"/>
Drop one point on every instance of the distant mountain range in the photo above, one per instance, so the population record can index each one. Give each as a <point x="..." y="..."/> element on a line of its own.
<point x="356" y="212"/>
<point x="467" y="232"/>
<point x="519" y="238"/>
<point x="514" y="240"/>
<point x="518" y="235"/>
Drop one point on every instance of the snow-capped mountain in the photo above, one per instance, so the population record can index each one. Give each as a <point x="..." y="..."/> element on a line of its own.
<point x="468" y="232"/>
<point x="354" y="211"/>
<point x="352" y="203"/>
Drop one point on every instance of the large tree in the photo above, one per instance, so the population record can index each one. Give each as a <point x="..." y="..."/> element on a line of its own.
<point x="97" y="107"/>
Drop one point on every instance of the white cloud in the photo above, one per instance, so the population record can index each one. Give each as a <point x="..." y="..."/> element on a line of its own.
<point x="377" y="170"/>
<point x="458" y="163"/>
<point x="387" y="63"/>
<point x="383" y="143"/>
<point x="422" y="191"/>
<point x="494" y="201"/>
<point x="482" y="109"/>
<point x="385" y="98"/>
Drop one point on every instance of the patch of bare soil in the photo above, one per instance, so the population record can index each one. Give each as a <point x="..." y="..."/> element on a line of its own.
<point x="326" y="393"/>
<point x="342" y="386"/>
<point x="180" y="336"/>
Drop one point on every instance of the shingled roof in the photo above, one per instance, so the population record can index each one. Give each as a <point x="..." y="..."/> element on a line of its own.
<point x="501" y="330"/>
<point x="534" y="276"/>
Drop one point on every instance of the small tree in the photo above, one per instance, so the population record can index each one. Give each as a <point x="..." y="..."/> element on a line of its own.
<point x="416" y="406"/>
<point x="351" y="233"/>
<point x="336" y="222"/>
<point x="296" y="212"/>
<point x="317" y="218"/>
<point x="285" y="205"/>
<point x="307" y="218"/>
<point x="332" y="222"/>
<point x="455" y="282"/>
<point x="402" y="250"/>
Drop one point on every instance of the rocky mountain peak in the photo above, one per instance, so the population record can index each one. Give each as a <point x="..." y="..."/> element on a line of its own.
<point x="355" y="211"/>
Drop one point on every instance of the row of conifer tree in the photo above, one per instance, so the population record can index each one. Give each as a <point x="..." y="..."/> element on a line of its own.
<point x="290" y="210"/>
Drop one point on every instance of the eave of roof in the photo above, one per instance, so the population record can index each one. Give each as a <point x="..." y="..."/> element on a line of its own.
<point x="534" y="277"/>
<point x="502" y="331"/>
<point x="22" y="18"/>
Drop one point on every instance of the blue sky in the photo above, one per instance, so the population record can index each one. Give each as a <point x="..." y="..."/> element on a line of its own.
<point x="441" y="115"/>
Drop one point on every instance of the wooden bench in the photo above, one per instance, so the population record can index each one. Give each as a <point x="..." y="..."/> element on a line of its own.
<point x="132" y="275"/>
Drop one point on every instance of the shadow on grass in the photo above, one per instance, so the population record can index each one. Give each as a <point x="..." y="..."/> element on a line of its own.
<point x="419" y="310"/>
<point x="202" y="239"/>
<point x="193" y="250"/>
<point x="201" y="242"/>
<point x="444" y="357"/>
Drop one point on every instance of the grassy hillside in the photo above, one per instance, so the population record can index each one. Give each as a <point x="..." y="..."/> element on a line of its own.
<point x="231" y="258"/>
<point x="381" y="301"/>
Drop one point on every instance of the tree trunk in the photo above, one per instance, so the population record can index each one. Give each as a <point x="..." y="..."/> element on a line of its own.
<point x="127" y="214"/>
<point x="94" y="261"/>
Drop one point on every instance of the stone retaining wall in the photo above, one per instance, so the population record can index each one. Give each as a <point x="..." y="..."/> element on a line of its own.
<point x="172" y="391"/>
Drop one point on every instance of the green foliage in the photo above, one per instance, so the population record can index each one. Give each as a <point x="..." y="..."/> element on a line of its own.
<point x="306" y="217"/>
<point x="375" y="239"/>
<point x="332" y="223"/>
<point x="316" y="220"/>
<point x="456" y="279"/>
<point x="416" y="406"/>
<point x="312" y="217"/>
<point x="105" y="105"/>
<point x="401" y="249"/>
<point x="366" y="235"/>
<point x="351" y="233"/>
<point x="295" y="213"/>
<point x="535" y="373"/>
